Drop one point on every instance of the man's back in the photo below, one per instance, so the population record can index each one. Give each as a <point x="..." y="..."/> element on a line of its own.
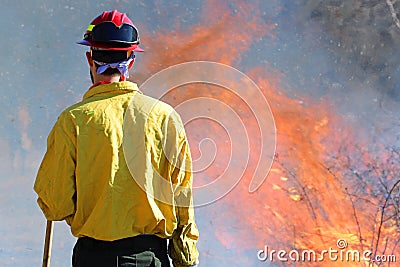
<point x="117" y="167"/>
<point x="106" y="197"/>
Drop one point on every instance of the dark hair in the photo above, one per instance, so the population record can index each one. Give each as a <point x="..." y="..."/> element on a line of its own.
<point x="109" y="71"/>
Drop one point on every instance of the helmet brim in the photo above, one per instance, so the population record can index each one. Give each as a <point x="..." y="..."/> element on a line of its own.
<point x="110" y="46"/>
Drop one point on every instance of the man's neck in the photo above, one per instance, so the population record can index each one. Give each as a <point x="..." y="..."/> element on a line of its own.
<point x="106" y="78"/>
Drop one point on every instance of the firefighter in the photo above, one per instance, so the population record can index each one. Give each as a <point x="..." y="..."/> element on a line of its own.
<point x="85" y="179"/>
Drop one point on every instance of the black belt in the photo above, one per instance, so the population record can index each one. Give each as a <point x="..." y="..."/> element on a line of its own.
<point x="134" y="244"/>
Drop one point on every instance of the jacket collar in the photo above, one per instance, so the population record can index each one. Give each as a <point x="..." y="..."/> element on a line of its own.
<point x="108" y="87"/>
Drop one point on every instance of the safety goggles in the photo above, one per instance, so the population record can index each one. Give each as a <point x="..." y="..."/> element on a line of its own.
<point x="107" y="31"/>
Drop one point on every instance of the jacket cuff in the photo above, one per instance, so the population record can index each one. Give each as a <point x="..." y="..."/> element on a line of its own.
<point x="176" y="264"/>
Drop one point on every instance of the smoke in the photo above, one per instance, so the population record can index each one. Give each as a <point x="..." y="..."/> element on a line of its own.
<point x="346" y="51"/>
<point x="363" y="37"/>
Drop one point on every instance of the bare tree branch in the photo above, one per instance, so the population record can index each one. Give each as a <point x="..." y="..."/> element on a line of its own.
<point x="393" y="13"/>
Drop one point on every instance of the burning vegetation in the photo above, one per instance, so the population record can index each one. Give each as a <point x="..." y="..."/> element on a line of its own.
<point x="327" y="182"/>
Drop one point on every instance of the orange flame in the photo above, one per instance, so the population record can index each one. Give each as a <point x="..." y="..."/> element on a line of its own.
<point x="303" y="204"/>
<point x="220" y="36"/>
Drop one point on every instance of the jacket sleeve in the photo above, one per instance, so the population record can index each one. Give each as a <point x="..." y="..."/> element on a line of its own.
<point x="55" y="181"/>
<point x="182" y="247"/>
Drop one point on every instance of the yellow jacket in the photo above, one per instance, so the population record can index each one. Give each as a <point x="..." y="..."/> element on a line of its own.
<point x="85" y="179"/>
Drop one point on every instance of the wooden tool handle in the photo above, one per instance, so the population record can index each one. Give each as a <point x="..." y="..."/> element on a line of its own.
<point x="47" y="244"/>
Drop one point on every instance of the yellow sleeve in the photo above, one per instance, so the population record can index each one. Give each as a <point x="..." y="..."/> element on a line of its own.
<point x="55" y="181"/>
<point x="182" y="247"/>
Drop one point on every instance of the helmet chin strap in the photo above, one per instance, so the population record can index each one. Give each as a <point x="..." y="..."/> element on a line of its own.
<point x="122" y="66"/>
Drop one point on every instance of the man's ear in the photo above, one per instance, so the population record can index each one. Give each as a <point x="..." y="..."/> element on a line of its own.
<point x="89" y="59"/>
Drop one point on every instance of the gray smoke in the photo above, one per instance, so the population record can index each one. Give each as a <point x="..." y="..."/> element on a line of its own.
<point x="365" y="39"/>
